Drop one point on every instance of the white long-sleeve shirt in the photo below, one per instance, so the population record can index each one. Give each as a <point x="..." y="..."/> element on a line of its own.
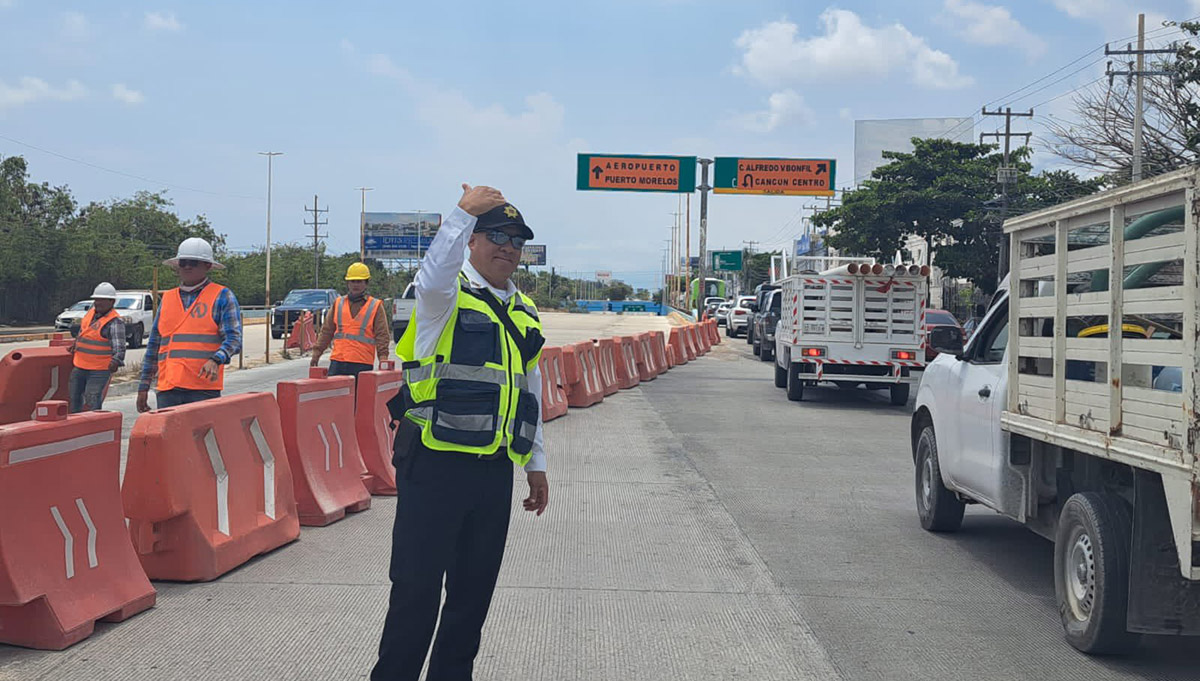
<point x="437" y="293"/>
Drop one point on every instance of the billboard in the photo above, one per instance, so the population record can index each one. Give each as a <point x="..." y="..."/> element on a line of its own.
<point x="398" y="235"/>
<point x="873" y="137"/>
<point x="533" y="254"/>
<point x="726" y="261"/>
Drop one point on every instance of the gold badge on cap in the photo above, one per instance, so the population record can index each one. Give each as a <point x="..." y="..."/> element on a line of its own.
<point x="511" y="211"/>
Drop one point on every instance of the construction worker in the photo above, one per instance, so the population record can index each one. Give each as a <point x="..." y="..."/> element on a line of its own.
<point x="99" y="350"/>
<point x="197" y="331"/>
<point x="473" y="395"/>
<point x="357" y="325"/>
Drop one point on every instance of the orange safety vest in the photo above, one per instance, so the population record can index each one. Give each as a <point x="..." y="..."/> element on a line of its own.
<point x="354" y="340"/>
<point x="93" y="352"/>
<point x="187" y="339"/>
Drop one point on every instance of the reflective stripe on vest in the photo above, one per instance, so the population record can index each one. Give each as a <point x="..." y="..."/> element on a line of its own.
<point x="354" y="340"/>
<point x="93" y="352"/>
<point x="472" y="394"/>
<point x="187" y="339"/>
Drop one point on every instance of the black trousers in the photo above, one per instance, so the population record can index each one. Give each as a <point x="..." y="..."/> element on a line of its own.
<point x="452" y="513"/>
<point x="340" y="368"/>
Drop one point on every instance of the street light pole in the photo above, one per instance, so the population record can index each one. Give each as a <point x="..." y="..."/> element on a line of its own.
<point x="270" y="158"/>
<point x="362" y="224"/>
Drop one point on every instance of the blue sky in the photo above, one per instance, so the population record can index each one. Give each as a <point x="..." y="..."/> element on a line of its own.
<point x="415" y="98"/>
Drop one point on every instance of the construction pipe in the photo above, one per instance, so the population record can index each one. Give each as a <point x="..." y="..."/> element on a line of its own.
<point x="1136" y="230"/>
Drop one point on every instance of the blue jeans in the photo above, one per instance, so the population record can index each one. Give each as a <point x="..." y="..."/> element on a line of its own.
<point x="86" y="389"/>
<point x="178" y="396"/>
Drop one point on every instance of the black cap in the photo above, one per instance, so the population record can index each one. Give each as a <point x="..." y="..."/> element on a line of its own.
<point x="503" y="216"/>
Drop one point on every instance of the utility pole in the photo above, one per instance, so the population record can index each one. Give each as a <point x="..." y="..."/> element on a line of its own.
<point x="704" y="189"/>
<point x="270" y="157"/>
<point x="362" y="224"/>
<point x="687" y="239"/>
<point x="316" y="223"/>
<point x="1137" y="70"/>
<point x="1006" y="174"/>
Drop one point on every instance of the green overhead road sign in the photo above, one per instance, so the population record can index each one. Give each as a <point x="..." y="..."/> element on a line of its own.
<point x="726" y="261"/>
<point x="635" y="173"/>
<point x="779" y="176"/>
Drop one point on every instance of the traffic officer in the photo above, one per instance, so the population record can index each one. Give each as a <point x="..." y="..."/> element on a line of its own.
<point x="473" y="397"/>
<point x="197" y="331"/>
<point x="99" y="350"/>
<point x="357" y="325"/>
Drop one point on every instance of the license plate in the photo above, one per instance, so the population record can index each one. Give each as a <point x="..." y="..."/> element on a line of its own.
<point x="810" y="327"/>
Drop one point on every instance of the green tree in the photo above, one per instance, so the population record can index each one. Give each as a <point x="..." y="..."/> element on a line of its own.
<point x="945" y="192"/>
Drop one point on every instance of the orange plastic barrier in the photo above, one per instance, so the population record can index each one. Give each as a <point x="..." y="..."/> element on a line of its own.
<point x="701" y="331"/>
<point x="627" y="370"/>
<point x="317" y="414"/>
<point x="691" y="343"/>
<point x="303" y="335"/>
<point x="29" y="376"/>
<point x="554" y="383"/>
<point x="65" y="560"/>
<point x="207" y="487"/>
<point x="606" y="353"/>
<point x="714" y="332"/>
<point x="373" y="426"/>
<point x="678" y="343"/>
<point x="584" y="387"/>
<point x="643" y="356"/>
<point x="671" y="358"/>
<point x="658" y="345"/>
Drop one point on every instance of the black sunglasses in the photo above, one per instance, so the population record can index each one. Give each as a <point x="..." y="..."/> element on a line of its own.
<point x="190" y="263"/>
<point x="500" y="238"/>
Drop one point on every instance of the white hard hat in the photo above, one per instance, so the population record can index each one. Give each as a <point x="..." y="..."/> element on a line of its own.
<point x="105" y="290"/>
<point x="194" y="248"/>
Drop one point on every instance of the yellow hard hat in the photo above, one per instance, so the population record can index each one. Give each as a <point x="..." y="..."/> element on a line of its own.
<point x="357" y="272"/>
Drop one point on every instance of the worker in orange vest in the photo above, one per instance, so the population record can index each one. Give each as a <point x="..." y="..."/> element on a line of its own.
<point x="356" y="325"/>
<point x="197" y="331"/>
<point x="98" y="350"/>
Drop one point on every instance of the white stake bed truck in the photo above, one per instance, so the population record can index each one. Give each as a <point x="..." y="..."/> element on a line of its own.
<point x="855" y="323"/>
<point x="1089" y="438"/>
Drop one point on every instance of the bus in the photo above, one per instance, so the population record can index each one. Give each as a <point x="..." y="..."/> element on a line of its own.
<point x="713" y="288"/>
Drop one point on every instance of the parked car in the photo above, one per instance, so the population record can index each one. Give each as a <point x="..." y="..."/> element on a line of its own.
<point x="935" y="318"/>
<point x="764" y="326"/>
<point x="739" y="316"/>
<point x="402" y="309"/>
<point x="135" y="307"/>
<point x="722" y="312"/>
<point x="758" y="309"/>
<point x="710" y="309"/>
<point x="298" y="301"/>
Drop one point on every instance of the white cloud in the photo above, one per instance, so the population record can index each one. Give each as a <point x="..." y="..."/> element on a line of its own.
<point x="29" y="90"/>
<point x="74" y="26"/>
<point x="845" y="114"/>
<point x="124" y="94"/>
<point x="847" y="49"/>
<point x="162" y="21"/>
<point x="991" y="25"/>
<point x="783" y="107"/>
<point x="1117" y="18"/>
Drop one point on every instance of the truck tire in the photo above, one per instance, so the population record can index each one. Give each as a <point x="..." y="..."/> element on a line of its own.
<point x="276" y="334"/>
<point x="937" y="507"/>
<point x="139" y="332"/>
<point x="899" y="396"/>
<point x="795" y="385"/>
<point x="766" y="352"/>
<point x="756" y="348"/>
<point x="781" y="375"/>
<point x="1091" y="572"/>
<point x="749" y="334"/>
<point x="728" y="331"/>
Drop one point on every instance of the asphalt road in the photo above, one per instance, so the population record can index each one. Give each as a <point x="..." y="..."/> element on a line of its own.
<point x="823" y="490"/>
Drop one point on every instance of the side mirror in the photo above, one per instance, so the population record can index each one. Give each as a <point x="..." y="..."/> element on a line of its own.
<point x="946" y="340"/>
<point x="754" y="307"/>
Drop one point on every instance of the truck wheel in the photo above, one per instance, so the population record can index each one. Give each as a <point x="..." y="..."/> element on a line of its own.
<point x="781" y="375"/>
<point x="795" y="385"/>
<point x="276" y="334"/>
<point x="728" y="331"/>
<point x="765" y="352"/>
<point x="937" y="507"/>
<point x="139" y="332"/>
<point x="756" y="348"/>
<point x="749" y="335"/>
<point x="1091" y="572"/>
<point x="899" y="394"/>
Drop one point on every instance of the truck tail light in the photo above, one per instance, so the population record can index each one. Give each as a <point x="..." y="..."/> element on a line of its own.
<point x="852" y="268"/>
<point x="812" y="352"/>
<point x="904" y="355"/>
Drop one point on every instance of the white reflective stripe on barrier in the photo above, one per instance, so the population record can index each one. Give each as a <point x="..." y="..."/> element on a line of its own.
<point x="391" y="385"/>
<point x="219" y="470"/>
<point x="338" y="436"/>
<point x="323" y="394"/>
<point x="49" y="393"/>
<point x="61" y="447"/>
<point x="324" y="441"/>
<point x="268" y="459"/>
<point x="68" y="541"/>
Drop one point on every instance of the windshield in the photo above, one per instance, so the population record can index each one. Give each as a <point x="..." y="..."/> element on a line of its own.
<point x="745" y="302"/>
<point x="80" y="306"/>
<point x="306" y="298"/>
<point x="126" y="303"/>
<point x="942" y="318"/>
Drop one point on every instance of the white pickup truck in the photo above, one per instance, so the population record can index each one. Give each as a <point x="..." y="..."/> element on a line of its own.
<point x="135" y="307"/>
<point x="1087" y="437"/>
<point x="851" y="323"/>
<point x="402" y="309"/>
